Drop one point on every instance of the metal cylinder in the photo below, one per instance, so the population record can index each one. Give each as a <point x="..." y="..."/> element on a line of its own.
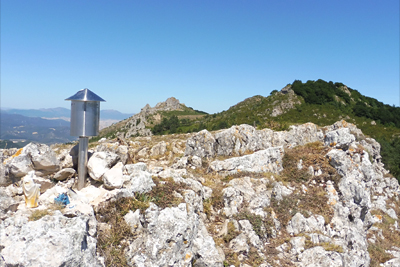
<point x="82" y="161"/>
<point x="85" y="116"/>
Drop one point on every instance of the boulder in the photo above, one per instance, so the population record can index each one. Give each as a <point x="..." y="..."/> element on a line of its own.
<point x="38" y="157"/>
<point x="112" y="178"/>
<point x="139" y="181"/>
<point x="44" y="159"/>
<point x="99" y="163"/>
<point x="341" y="138"/>
<point x="201" y="144"/>
<point x="7" y="203"/>
<point x="51" y="241"/>
<point x="172" y="237"/>
<point x="158" y="149"/>
<point x="268" y="160"/>
<point x="64" y="174"/>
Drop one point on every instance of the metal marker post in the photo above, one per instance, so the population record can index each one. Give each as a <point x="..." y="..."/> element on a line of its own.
<point x="85" y="118"/>
<point x="82" y="161"/>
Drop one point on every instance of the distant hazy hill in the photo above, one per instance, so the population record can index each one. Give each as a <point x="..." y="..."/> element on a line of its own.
<point x="64" y="113"/>
<point x="19" y="128"/>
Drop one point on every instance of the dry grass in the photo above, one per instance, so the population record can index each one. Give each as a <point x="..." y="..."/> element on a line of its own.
<point x="231" y="234"/>
<point x="37" y="214"/>
<point x="312" y="154"/>
<point x="112" y="242"/>
<point x="314" y="202"/>
<point x="377" y="250"/>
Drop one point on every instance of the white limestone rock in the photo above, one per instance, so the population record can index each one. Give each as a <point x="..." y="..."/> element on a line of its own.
<point x="112" y="178"/>
<point x="317" y="256"/>
<point x="201" y="144"/>
<point x="268" y="160"/>
<point x="64" y="174"/>
<point x="99" y="163"/>
<point x="172" y="237"/>
<point x="51" y="241"/>
<point x="340" y="138"/>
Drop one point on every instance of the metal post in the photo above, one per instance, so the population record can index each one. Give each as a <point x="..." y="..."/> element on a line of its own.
<point x="82" y="161"/>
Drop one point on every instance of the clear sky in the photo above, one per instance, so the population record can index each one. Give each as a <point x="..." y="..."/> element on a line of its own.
<point x="209" y="54"/>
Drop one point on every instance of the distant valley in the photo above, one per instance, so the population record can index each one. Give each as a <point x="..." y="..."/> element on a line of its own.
<point x="21" y="126"/>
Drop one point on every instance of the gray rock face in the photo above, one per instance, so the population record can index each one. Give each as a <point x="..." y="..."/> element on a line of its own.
<point x="172" y="237"/>
<point x="38" y="157"/>
<point x="238" y="140"/>
<point x="340" y="138"/>
<point x="7" y="203"/>
<point x="116" y="148"/>
<point x="64" y="174"/>
<point x="201" y="145"/>
<point x="112" y="178"/>
<point x="99" y="163"/>
<point x="51" y="241"/>
<point x="268" y="160"/>
<point x="252" y="191"/>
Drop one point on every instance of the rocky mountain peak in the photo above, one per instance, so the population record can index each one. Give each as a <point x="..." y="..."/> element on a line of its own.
<point x="136" y="125"/>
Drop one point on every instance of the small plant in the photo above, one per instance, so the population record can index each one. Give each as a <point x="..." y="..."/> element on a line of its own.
<point x="38" y="214"/>
<point x="255" y="220"/>
<point x="232" y="233"/>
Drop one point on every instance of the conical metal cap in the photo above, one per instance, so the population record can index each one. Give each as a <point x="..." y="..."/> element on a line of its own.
<point x="85" y="95"/>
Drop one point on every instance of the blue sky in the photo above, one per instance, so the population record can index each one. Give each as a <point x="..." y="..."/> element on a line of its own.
<point x="208" y="54"/>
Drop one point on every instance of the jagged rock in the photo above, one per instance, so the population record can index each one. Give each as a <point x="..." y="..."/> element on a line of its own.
<point x="244" y="138"/>
<point x="279" y="191"/>
<point x="252" y="191"/>
<point x="19" y="166"/>
<point x="246" y="228"/>
<point x="340" y="138"/>
<point x="317" y="256"/>
<point x="268" y="160"/>
<point x="299" y="224"/>
<point x="133" y="220"/>
<point x="112" y="178"/>
<point x="51" y="241"/>
<point x="172" y="237"/>
<point x="201" y="145"/>
<point x="237" y="140"/>
<point x="65" y="159"/>
<point x="44" y="160"/>
<point x="99" y="163"/>
<point x="7" y="203"/>
<point x="158" y="149"/>
<point x="116" y="148"/>
<point x="38" y="157"/>
<point x="64" y="174"/>
<point x="239" y="244"/>
<point x="181" y="163"/>
<point x="134" y="168"/>
<point x="138" y="181"/>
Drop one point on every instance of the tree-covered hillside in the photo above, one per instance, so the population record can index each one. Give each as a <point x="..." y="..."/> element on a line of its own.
<point x="320" y="102"/>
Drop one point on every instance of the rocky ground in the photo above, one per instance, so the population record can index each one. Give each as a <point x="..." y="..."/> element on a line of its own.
<point x="308" y="196"/>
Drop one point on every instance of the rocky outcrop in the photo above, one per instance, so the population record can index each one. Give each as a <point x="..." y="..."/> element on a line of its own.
<point x="290" y="102"/>
<point x="37" y="157"/>
<point x="267" y="160"/>
<point x="242" y="139"/>
<point x="136" y="125"/>
<point x="238" y="196"/>
<point x="51" y="241"/>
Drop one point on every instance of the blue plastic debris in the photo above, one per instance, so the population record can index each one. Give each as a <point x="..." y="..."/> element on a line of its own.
<point x="62" y="199"/>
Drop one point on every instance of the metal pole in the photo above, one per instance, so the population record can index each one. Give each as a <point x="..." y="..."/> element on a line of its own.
<point x="82" y="161"/>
